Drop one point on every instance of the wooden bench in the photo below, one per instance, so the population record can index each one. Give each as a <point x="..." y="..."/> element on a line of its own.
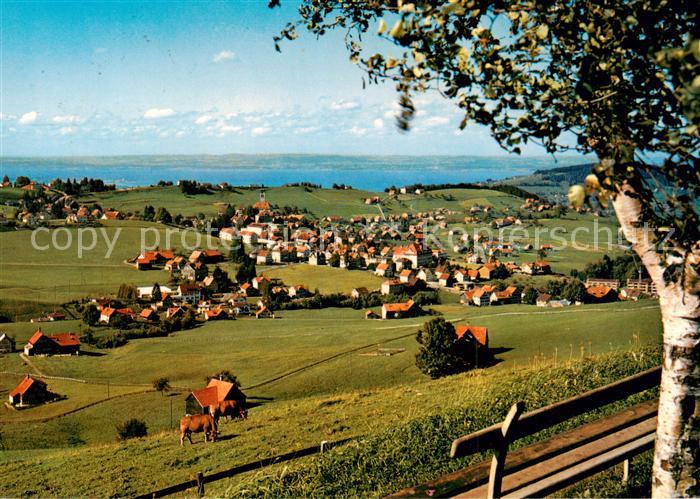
<point x="550" y="465"/>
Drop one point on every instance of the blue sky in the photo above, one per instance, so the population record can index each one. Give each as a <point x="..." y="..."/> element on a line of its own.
<point x="103" y="78"/>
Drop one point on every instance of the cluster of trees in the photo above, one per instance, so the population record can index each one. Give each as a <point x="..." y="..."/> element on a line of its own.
<point x="341" y="187"/>
<point x="73" y="187"/>
<point x="567" y="289"/>
<point x="440" y="352"/>
<point x="508" y="189"/>
<point x="304" y="184"/>
<point x="621" y="268"/>
<point x="246" y="270"/>
<point x="192" y="187"/>
<point x="150" y="214"/>
<point x="340" y="300"/>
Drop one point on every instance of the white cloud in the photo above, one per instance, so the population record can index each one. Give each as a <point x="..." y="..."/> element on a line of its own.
<point x="224" y="55"/>
<point x="5" y="117"/>
<point x="205" y="118"/>
<point x="390" y="114"/>
<point x="224" y="129"/>
<point x="378" y="123"/>
<point x="67" y="130"/>
<point x="156" y="112"/>
<point x="436" y="121"/>
<point x="28" y="118"/>
<point x="307" y="129"/>
<point x="66" y="119"/>
<point x="356" y="130"/>
<point x="180" y="134"/>
<point x="260" y="130"/>
<point x="343" y="105"/>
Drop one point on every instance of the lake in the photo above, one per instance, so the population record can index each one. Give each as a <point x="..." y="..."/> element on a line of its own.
<point x="361" y="172"/>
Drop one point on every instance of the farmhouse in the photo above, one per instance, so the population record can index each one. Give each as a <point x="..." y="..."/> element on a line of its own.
<point x="216" y="391"/>
<point x="215" y="314"/>
<point x="480" y="296"/>
<point x="194" y="271"/>
<point x="7" y="344"/>
<point x="228" y="234"/>
<point x="508" y="295"/>
<point x="475" y="334"/>
<point x="108" y="314"/>
<point x="189" y="293"/>
<point x="30" y="391"/>
<point x="385" y="270"/>
<point x="600" y="294"/>
<point x="206" y="256"/>
<point x="391" y="287"/>
<point x="359" y="292"/>
<point x="400" y="310"/>
<point x="58" y="344"/>
<point x="175" y="312"/>
<point x="543" y="300"/>
<point x="149" y="315"/>
<point x="413" y="253"/>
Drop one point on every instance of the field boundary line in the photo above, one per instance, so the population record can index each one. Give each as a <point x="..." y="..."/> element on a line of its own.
<point x="46" y="419"/>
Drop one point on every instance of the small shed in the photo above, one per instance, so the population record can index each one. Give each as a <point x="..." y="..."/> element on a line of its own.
<point x="7" y="343"/>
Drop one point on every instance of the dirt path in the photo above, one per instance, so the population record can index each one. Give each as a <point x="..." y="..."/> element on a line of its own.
<point x="31" y="365"/>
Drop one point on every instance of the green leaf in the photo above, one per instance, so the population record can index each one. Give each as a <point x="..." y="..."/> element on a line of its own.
<point x="542" y="31"/>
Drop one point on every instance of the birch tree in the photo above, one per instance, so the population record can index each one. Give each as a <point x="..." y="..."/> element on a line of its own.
<point x="617" y="78"/>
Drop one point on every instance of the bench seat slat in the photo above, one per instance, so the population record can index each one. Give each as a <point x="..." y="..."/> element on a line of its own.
<point x="477" y="474"/>
<point x="545" y="417"/>
<point x="555" y="471"/>
<point x="585" y="469"/>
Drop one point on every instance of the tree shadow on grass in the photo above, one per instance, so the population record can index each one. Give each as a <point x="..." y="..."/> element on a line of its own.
<point x="91" y="353"/>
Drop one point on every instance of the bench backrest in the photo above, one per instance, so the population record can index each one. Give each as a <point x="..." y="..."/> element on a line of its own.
<point x="548" y="416"/>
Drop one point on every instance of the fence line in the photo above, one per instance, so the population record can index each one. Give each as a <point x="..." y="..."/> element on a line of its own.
<point x="200" y="478"/>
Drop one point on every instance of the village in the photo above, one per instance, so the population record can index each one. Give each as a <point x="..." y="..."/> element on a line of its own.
<point x="395" y="248"/>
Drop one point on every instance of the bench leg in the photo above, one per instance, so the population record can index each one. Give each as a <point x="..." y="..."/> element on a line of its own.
<point x="626" y="470"/>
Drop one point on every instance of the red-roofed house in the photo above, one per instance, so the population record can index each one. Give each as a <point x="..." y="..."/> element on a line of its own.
<point x="57" y="344"/>
<point x="400" y="310"/>
<point x="600" y="294"/>
<point x="30" y="391"/>
<point x="216" y="391"/>
<point x="476" y="339"/>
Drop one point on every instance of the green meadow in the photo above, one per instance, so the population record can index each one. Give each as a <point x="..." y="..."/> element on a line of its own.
<point x="325" y="279"/>
<point x="319" y="202"/>
<point x="409" y="425"/>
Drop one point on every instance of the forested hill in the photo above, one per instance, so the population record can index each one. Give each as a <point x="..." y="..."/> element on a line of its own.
<point x="573" y="174"/>
<point x="552" y="183"/>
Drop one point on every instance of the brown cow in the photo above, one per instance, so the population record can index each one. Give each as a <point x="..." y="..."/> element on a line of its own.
<point x="232" y="409"/>
<point x="197" y="423"/>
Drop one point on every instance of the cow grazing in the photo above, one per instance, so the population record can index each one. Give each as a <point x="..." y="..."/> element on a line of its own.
<point x="198" y="423"/>
<point x="232" y="409"/>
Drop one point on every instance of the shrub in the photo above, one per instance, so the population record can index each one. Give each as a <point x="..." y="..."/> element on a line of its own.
<point x="132" y="428"/>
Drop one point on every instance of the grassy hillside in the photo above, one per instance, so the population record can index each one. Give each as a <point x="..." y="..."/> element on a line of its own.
<point x="32" y="279"/>
<point x="306" y="353"/>
<point x="407" y="431"/>
<point x="320" y="202"/>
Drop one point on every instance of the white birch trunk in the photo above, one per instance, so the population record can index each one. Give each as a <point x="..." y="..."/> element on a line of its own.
<point x="677" y="451"/>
